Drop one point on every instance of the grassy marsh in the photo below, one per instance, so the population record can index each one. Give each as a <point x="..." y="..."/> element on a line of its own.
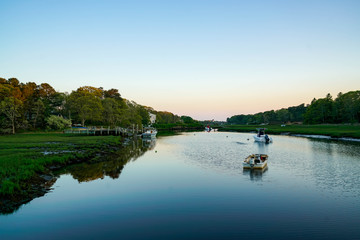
<point x="24" y="156"/>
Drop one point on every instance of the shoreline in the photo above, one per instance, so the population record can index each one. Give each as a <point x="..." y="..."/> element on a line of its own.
<point x="333" y="132"/>
<point x="42" y="181"/>
<point x="315" y="136"/>
<point x="41" y="184"/>
<point x="326" y="137"/>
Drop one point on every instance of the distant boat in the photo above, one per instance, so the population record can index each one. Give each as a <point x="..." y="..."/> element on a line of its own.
<point x="149" y="133"/>
<point x="261" y="136"/>
<point x="255" y="161"/>
<point x="208" y="128"/>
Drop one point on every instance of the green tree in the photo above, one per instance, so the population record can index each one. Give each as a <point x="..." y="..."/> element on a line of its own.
<point x="10" y="107"/>
<point x="282" y="115"/>
<point x="112" y="111"/>
<point x="112" y="93"/>
<point x="297" y="113"/>
<point x="86" y="106"/>
<point x="96" y="92"/>
<point x="187" y="119"/>
<point x="58" y="122"/>
<point x="320" y="111"/>
<point x="47" y="94"/>
<point x="29" y="97"/>
<point x="144" y="114"/>
<point x="38" y="110"/>
<point x="130" y="116"/>
<point x="347" y="107"/>
<point x="166" y="117"/>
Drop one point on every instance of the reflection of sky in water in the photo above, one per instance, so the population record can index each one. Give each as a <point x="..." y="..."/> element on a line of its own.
<point x="193" y="186"/>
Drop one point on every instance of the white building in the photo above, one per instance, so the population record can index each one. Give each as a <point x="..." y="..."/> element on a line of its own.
<point x="152" y="118"/>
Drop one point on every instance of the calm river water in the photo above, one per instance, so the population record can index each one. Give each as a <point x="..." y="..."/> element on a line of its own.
<point x="192" y="186"/>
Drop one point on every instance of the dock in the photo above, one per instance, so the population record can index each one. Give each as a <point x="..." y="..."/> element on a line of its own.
<point x="106" y="131"/>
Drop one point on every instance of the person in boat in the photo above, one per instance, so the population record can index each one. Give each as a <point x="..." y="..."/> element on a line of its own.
<point x="256" y="160"/>
<point x="261" y="132"/>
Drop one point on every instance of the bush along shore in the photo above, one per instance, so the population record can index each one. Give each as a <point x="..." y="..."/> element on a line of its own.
<point x="336" y="131"/>
<point x="28" y="162"/>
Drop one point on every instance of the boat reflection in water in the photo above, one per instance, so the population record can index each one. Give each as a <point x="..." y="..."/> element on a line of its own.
<point x="255" y="174"/>
<point x="149" y="143"/>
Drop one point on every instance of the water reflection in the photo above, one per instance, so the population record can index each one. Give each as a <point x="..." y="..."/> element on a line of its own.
<point x="310" y="190"/>
<point x="262" y="147"/>
<point x="149" y="143"/>
<point x="97" y="168"/>
<point x="349" y="148"/>
<point x="110" y="165"/>
<point x="255" y="174"/>
<point x="221" y="152"/>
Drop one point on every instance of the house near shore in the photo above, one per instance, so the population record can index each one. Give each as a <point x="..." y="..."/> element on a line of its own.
<point x="152" y="118"/>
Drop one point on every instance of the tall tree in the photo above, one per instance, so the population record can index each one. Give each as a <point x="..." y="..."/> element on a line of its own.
<point x="112" y="93"/>
<point x="144" y="114"/>
<point x="10" y="106"/>
<point x="38" y="109"/>
<point x="320" y="111"/>
<point x="187" y="119"/>
<point x="112" y="111"/>
<point x="86" y="104"/>
<point x="347" y="107"/>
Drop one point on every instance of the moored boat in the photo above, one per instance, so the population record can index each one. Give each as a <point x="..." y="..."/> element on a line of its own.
<point x="149" y="133"/>
<point x="255" y="161"/>
<point x="261" y="136"/>
<point x="208" y="128"/>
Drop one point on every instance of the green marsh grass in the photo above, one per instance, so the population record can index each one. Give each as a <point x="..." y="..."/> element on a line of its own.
<point x="22" y="156"/>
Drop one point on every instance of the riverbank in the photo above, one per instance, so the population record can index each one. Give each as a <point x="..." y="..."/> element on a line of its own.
<point x="331" y="130"/>
<point x="27" y="162"/>
<point x="178" y="126"/>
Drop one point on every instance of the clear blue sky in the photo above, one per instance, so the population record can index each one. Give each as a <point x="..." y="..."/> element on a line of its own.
<point x="206" y="59"/>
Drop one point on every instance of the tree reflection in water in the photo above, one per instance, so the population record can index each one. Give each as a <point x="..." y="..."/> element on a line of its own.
<point x="111" y="164"/>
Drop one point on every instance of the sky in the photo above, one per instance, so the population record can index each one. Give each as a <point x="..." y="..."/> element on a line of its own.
<point x="201" y="58"/>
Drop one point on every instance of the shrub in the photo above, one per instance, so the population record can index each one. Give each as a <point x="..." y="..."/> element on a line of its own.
<point x="58" y="123"/>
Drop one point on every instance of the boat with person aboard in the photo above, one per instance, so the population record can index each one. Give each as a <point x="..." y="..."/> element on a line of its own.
<point x="261" y="136"/>
<point x="255" y="161"/>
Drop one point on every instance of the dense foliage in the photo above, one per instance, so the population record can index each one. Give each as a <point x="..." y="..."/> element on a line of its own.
<point x="58" y="122"/>
<point x="29" y="106"/>
<point x="344" y="109"/>
<point x="291" y="114"/>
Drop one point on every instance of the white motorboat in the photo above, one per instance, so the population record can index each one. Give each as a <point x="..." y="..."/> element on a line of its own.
<point x="261" y="136"/>
<point x="149" y="133"/>
<point x="255" y="161"/>
<point x="208" y="128"/>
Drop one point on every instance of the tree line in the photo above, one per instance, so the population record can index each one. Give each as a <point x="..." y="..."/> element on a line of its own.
<point x="344" y="109"/>
<point x="28" y="106"/>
